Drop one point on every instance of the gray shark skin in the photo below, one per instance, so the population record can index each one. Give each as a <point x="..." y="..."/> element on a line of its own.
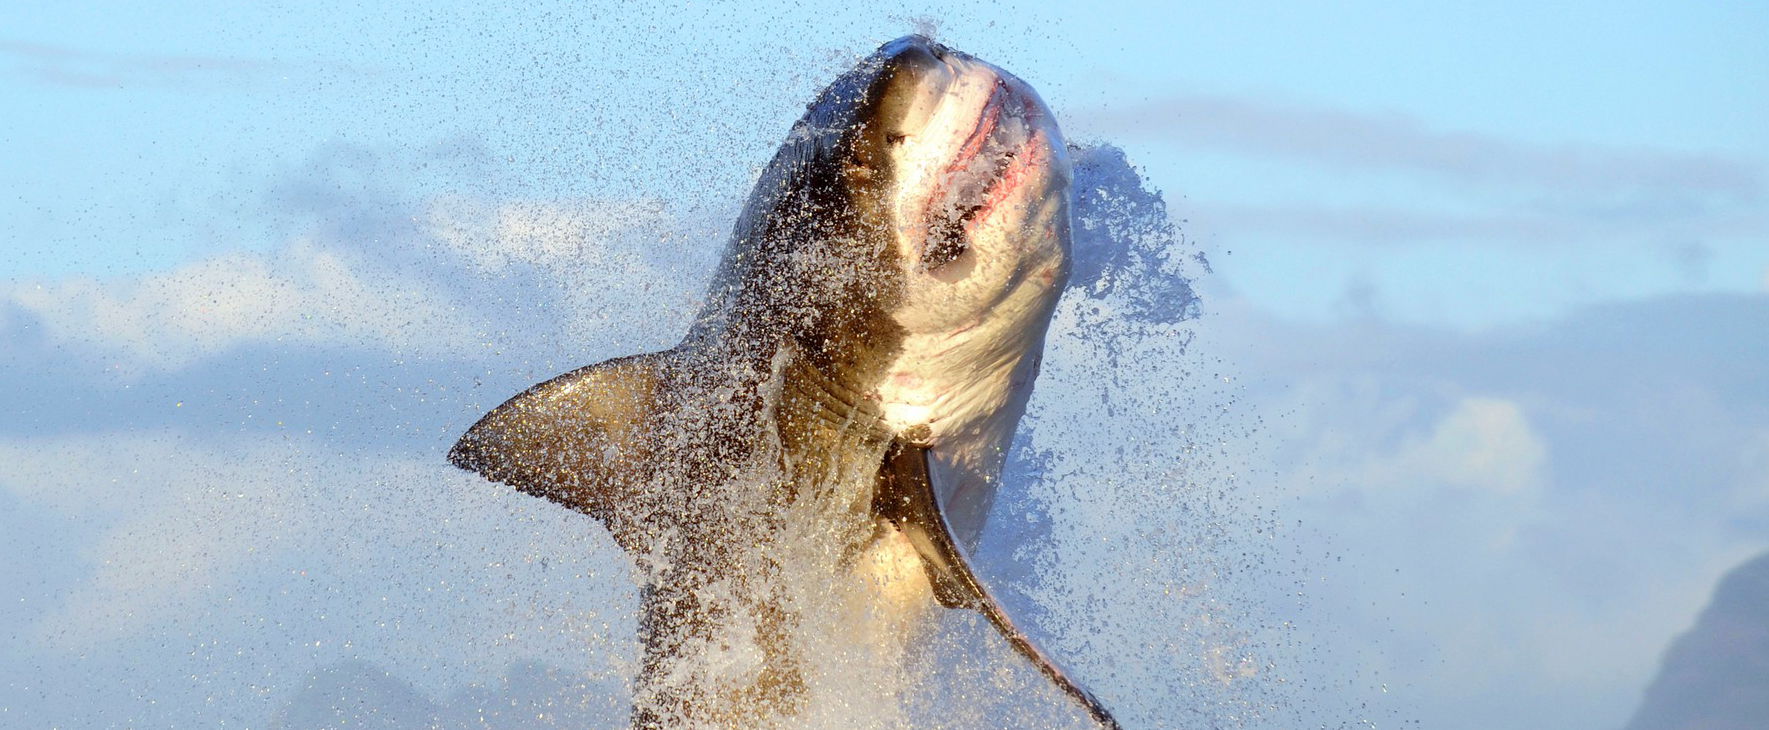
<point x="804" y="474"/>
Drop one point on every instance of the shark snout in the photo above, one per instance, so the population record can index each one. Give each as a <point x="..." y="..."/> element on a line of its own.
<point x="912" y="53"/>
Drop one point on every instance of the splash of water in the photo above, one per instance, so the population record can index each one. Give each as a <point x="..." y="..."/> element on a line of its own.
<point x="1112" y="537"/>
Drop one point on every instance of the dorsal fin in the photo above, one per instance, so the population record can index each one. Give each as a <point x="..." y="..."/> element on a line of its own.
<point x="577" y="439"/>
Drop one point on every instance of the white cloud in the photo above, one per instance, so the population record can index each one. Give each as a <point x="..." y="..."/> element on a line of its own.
<point x="67" y="66"/>
<point x="1354" y="436"/>
<point x="1751" y="495"/>
<point x="201" y="542"/>
<point x="613" y="268"/>
<point x="188" y="521"/>
<point x="556" y="235"/>
<point x="302" y="294"/>
<point x="618" y="269"/>
<point x="1482" y="443"/>
<point x="1515" y="522"/>
<point x="1361" y="140"/>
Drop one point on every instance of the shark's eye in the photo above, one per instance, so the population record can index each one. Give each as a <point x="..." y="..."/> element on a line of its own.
<point x="895" y="138"/>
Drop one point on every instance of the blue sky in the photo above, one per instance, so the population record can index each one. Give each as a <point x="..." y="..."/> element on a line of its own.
<point x="1481" y="322"/>
<point x="150" y="119"/>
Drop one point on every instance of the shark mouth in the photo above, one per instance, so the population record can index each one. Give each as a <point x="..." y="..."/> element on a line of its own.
<point x="989" y="166"/>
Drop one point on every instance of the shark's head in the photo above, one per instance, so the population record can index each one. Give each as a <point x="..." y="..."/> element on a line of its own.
<point x="912" y="237"/>
<point x="970" y="177"/>
<point x="925" y="192"/>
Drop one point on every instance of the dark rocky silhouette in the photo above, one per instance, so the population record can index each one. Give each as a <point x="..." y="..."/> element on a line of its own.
<point x="1716" y="676"/>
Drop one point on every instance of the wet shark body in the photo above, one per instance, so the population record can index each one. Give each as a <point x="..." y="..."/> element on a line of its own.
<point x="840" y="411"/>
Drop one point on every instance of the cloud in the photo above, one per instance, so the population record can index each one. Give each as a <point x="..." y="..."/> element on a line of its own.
<point x="1508" y="502"/>
<point x="1353" y="140"/>
<point x="241" y="560"/>
<point x="365" y="263"/>
<point x="263" y="490"/>
<point x="176" y="513"/>
<point x="1524" y="193"/>
<point x="616" y="267"/>
<point x="359" y="694"/>
<point x="64" y="66"/>
<point x="222" y="569"/>
<point x="183" y="517"/>
<point x="1539" y="226"/>
<point x="1482" y="443"/>
<point x="302" y="295"/>
<point x="215" y="543"/>
<point x="1520" y="518"/>
<point x="555" y="235"/>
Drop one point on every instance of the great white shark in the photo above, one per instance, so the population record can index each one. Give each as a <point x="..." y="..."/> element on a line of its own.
<point x="813" y="464"/>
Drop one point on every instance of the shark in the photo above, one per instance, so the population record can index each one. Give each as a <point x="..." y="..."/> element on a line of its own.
<point x="811" y="468"/>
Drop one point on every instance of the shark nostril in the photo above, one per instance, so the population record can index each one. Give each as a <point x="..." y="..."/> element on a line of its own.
<point x="914" y="60"/>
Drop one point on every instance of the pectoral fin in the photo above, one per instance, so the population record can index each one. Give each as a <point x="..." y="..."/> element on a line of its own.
<point x="907" y="498"/>
<point x="575" y="439"/>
